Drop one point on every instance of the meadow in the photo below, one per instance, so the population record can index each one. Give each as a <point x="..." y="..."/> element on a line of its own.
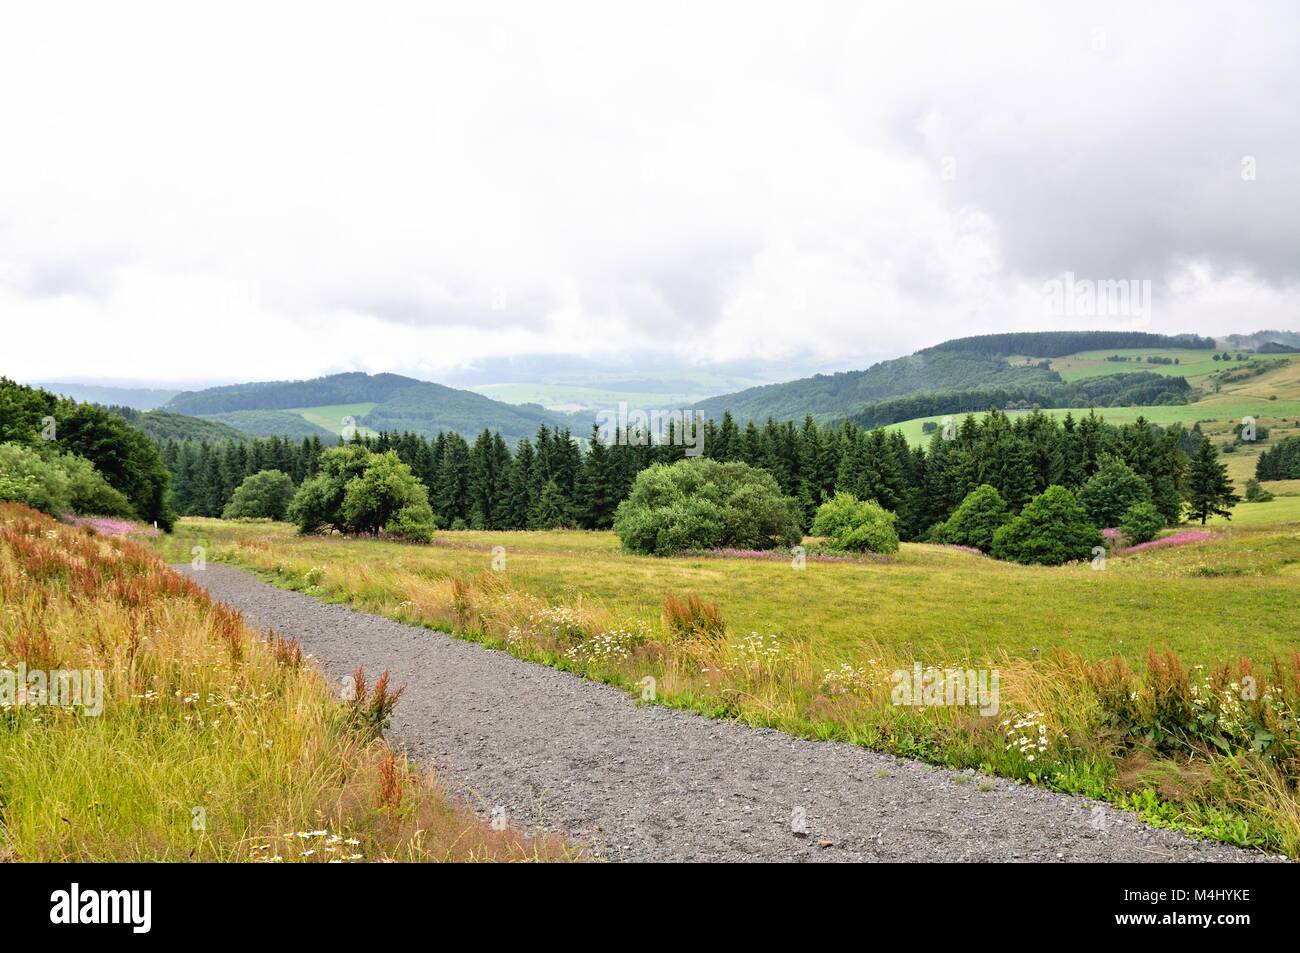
<point x="207" y="740"/>
<point x="330" y="416"/>
<point x="1192" y="364"/>
<point x="1125" y="681"/>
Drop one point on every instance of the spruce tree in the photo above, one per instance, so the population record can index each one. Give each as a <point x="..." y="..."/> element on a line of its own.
<point x="596" y="488"/>
<point x="1209" y="491"/>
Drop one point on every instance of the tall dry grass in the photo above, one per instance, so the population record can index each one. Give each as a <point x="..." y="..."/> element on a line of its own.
<point x="215" y="742"/>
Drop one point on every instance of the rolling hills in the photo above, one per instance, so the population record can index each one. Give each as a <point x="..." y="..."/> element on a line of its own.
<point x="327" y="406"/>
<point x="987" y="362"/>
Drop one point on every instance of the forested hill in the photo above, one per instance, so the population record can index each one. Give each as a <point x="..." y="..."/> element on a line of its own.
<point x="428" y="408"/>
<point x="348" y="388"/>
<point x="165" y="425"/>
<point x="1061" y="343"/>
<point x="401" y="404"/>
<point x="963" y="364"/>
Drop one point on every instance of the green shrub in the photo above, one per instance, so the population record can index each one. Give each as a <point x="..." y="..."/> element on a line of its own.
<point x="414" y="523"/>
<point x="1141" y="523"/>
<point x="853" y="525"/>
<point x="27" y="477"/>
<point x="319" y="501"/>
<point x="358" y="491"/>
<point x="386" y="488"/>
<point x="703" y="504"/>
<point x="1255" y="493"/>
<point x="976" y="519"/>
<point x="263" y="495"/>
<point x="1053" y="529"/>
<point x="89" y="493"/>
<point x="1111" y="491"/>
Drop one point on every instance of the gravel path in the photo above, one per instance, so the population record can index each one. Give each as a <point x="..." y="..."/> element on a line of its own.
<point x="649" y="783"/>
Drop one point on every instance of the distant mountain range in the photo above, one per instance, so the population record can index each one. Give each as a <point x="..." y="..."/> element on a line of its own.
<point x="141" y="398"/>
<point x="1266" y="342"/>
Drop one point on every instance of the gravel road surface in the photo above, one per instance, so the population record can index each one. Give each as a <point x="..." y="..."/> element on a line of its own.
<point x="648" y="783"/>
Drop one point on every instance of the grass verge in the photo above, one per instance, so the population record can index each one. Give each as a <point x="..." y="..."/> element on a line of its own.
<point x="195" y="737"/>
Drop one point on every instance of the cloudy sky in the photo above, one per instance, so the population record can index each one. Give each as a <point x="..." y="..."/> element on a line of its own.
<point x="274" y="190"/>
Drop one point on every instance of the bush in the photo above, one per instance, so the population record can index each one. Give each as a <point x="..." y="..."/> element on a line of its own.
<point x="1111" y="491"/>
<point x="319" y="501"/>
<point x="853" y="525"/>
<point x="414" y="523"/>
<point x="27" y="477"/>
<point x="976" y="519"/>
<point x="1141" y="522"/>
<point x="1053" y="529"/>
<point x="374" y="498"/>
<point x="359" y="491"/>
<point x="89" y="493"/>
<point x="264" y="495"/>
<point x="1255" y="493"/>
<point x="704" y="504"/>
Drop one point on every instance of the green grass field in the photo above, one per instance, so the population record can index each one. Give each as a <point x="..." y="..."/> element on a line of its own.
<point x="330" y="416"/>
<point x="1280" y="511"/>
<point x="943" y="603"/>
<point x="1192" y="364"/>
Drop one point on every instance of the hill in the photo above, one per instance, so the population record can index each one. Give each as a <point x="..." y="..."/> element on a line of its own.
<point x="372" y="402"/>
<point x="427" y="408"/>
<point x="1116" y="390"/>
<point x="282" y="395"/>
<point x="271" y="423"/>
<point x="1260" y="340"/>
<point x="991" y="361"/>
<point x="165" y="425"/>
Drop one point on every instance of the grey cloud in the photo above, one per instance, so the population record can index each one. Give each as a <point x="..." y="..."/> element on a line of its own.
<point x="1124" y="179"/>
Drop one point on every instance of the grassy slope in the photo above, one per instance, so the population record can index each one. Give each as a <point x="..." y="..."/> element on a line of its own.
<point x="330" y="416"/>
<point x="269" y="423"/>
<point x="206" y="715"/>
<point x="1192" y="364"/>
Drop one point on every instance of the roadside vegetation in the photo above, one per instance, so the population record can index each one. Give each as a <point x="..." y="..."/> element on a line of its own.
<point x="212" y="741"/>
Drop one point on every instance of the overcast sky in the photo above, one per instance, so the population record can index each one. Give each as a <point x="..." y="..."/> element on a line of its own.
<point x="275" y="190"/>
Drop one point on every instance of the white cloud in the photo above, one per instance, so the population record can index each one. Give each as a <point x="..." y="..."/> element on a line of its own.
<point x="291" y="189"/>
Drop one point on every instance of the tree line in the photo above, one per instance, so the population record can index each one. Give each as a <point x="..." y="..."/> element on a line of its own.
<point x="550" y="481"/>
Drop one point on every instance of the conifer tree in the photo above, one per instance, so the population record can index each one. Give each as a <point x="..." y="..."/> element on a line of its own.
<point x="1209" y="491"/>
